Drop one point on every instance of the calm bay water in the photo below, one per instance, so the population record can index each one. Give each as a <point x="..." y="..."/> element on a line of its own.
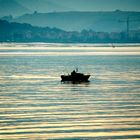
<point x="34" y="104"/>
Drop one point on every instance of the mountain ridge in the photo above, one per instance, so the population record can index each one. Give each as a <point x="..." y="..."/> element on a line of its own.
<point x="80" y="5"/>
<point x="12" y="7"/>
<point x="20" y="7"/>
<point x="43" y="5"/>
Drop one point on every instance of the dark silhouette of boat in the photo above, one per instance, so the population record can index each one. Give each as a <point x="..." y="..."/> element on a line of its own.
<point x="75" y="77"/>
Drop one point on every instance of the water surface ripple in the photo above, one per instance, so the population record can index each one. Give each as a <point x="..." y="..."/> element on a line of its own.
<point x="34" y="104"/>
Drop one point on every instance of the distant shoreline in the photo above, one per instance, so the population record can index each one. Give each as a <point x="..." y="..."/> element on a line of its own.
<point x="49" y="49"/>
<point x="73" y="44"/>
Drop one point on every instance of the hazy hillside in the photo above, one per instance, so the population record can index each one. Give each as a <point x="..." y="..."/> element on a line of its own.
<point x="12" y="7"/>
<point x="20" y="7"/>
<point x="69" y="21"/>
<point x="80" y="5"/>
<point x="44" y="5"/>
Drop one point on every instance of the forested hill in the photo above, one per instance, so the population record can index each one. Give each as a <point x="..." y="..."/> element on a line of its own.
<point x="76" y="21"/>
<point x="17" y="32"/>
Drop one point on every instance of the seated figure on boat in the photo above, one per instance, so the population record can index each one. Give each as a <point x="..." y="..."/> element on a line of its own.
<point x="73" y="72"/>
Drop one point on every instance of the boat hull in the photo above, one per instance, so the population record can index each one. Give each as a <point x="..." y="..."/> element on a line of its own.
<point x="75" y="78"/>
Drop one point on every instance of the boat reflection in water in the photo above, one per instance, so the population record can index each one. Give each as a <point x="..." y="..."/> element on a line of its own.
<point x="75" y="77"/>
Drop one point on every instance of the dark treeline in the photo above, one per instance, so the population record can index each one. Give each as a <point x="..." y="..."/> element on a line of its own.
<point x="16" y="32"/>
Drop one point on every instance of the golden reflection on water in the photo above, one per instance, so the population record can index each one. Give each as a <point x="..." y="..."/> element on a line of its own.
<point x="50" y="50"/>
<point x="72" y="135"/>
<point x="34" y="104"/>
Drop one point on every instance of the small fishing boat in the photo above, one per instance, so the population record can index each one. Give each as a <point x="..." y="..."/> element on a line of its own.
<point x="75" y="77"/>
